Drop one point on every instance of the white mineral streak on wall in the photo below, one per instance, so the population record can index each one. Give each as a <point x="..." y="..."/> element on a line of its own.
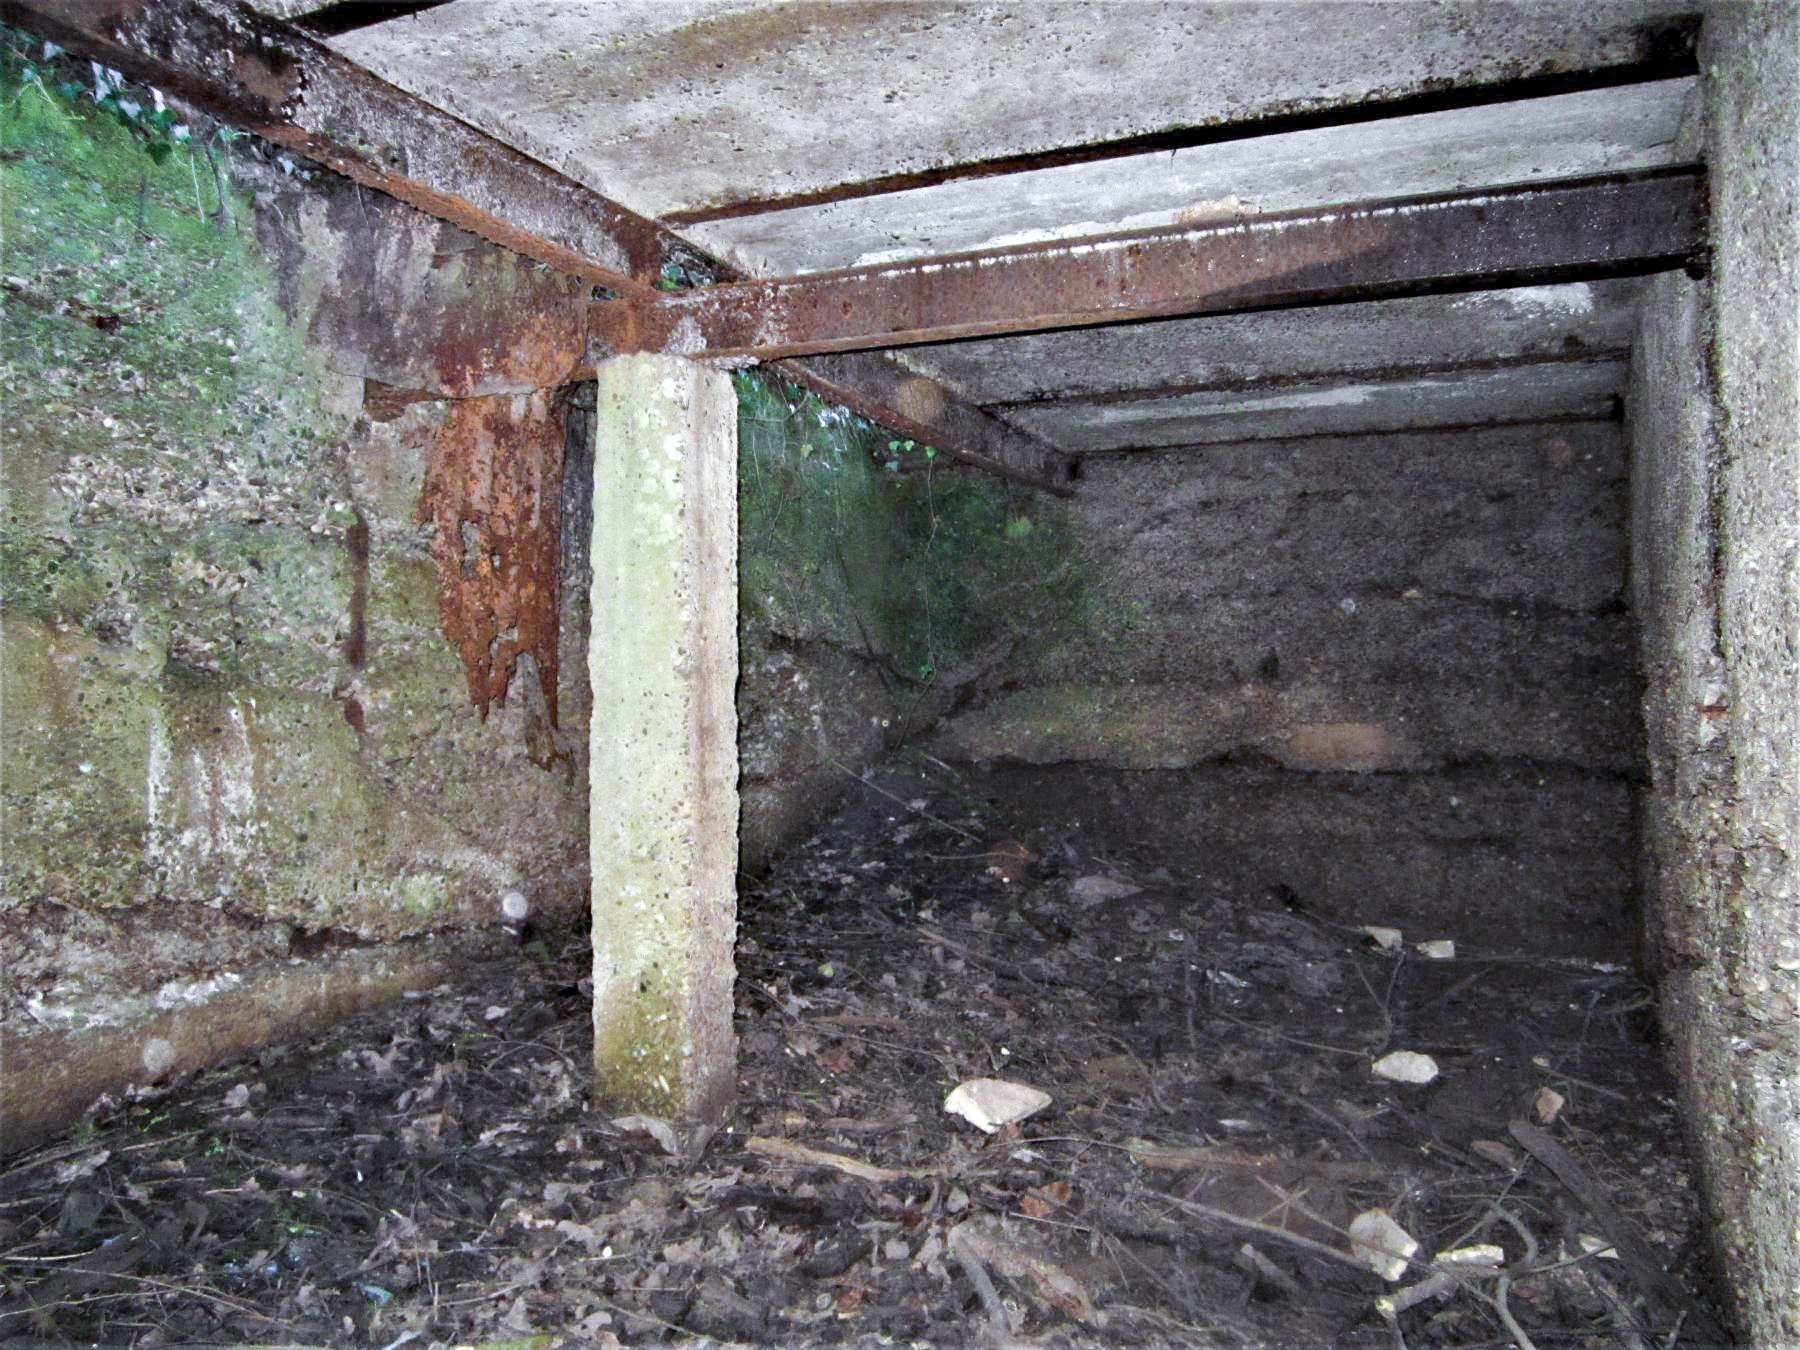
<point x="209" y="807"/>
<point x="236" y="781"/>
<point x="156" y="788"/>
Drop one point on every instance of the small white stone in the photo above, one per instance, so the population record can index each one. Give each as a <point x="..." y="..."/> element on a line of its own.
<point x="514" y="906"/>
<point x="1382" y="1244"/>
<point x="158" y="1056"/>
<point x="989" y="1103"/>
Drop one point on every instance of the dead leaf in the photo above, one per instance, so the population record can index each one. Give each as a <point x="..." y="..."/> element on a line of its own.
<point x="1096" y="889"/>
<point x="839" y="1060"/>
<point x="659" y="1130"/>
<point x="1042" y="1201"/>
<point x="989" y="1103"/>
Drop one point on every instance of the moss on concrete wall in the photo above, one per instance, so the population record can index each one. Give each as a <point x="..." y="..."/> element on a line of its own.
<point x="858" y="538"/>
<point x="876" y="583"/>
<point x="231" y="727"/>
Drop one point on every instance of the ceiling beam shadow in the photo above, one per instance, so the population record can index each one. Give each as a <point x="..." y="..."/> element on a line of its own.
<point x="1525" y="234"/>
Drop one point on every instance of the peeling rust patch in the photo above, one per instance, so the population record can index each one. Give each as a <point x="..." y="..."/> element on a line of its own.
<point x="493" y="490"/>
<point x="429" y="310"/>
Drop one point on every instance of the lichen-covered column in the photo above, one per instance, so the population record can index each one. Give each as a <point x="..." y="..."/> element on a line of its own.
<point x="663" y="772"/>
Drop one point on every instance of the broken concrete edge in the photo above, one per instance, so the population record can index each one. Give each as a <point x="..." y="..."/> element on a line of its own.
<point x="663" y="741"/>
<point x="52" y="1078"/>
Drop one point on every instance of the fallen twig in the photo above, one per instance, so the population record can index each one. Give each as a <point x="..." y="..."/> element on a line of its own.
<point x="788" y="1151"/>
<point x="1169" y="1158"/>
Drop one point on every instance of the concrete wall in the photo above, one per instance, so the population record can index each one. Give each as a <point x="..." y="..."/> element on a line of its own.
<point x="877" y="584"/>
<point x="1715" y="413"/>
<point x="282" y="670"/>
<point x="1392" y="673"/>
<point x="294" y="689"/>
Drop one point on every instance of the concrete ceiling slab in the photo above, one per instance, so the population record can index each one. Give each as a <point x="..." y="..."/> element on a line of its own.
<point x="1236" y="350"/>
<point x="793" y="136"/>
<point x="1563" y="136"/>
<point x="671" y="105"/>
<point x="1565" y="390"/>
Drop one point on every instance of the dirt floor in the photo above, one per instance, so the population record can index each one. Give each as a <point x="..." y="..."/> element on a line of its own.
<point x="1214" y="1167"/>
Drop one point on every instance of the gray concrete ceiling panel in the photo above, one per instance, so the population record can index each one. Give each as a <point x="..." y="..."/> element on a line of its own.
<point x="1564" y="136"/>
<point x="1545" y="392"/>
<point x="794" y="136"/>
<point x="669" y="105"/>
<point x="1230" y="350"/>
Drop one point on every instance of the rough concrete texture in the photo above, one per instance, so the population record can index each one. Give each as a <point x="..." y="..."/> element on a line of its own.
<point x="1358" y="603"/>
<point x="1390" y="673"/>
<point x="1715" y="410"/>
<point x="1227" y="351"/>
<point x="1512" y="859"/>
<point x="875" y="585"/>
<point x="1564" y="136"/>
<point x="396" y="297"/>
<point x="663" y="758"/>
<point x="1575" y="390"/>
<point x="795" y="97"/>
<point x="191" y="1024"/>
<point x="233" y="733"/>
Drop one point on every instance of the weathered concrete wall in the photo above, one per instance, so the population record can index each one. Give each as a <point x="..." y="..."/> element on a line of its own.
<point x="282" y="666"/>
<point x="1715" y="413"/>
<point x="1439" y="613"/>
<point x="877" y="586"/>
<point x="296" y="571"/>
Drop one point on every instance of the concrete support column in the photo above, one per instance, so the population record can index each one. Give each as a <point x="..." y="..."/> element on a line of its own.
<point x="663" y="800"/>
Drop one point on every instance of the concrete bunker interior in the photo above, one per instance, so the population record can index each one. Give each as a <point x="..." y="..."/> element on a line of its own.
<point x="1461" y="603"/>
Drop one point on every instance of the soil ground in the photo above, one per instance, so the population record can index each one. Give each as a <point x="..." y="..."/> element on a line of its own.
<point x="437" y="1175"/>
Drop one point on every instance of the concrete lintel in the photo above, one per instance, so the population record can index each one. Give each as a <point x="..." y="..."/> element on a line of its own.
<point x="663" y="786"/>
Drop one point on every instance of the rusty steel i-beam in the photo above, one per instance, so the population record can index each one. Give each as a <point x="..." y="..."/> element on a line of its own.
<point x="262" y="75"/>
<point x="1568" y="230"/>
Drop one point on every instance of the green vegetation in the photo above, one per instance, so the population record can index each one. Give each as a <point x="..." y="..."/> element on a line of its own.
<point x="879" y="545"/>
<point x="161" y="425"/>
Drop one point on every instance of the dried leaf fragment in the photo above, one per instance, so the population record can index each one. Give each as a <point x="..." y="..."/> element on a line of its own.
<point x="659" y="1130"/>
<point x="1383" y="1245"/>
<point x="989" y="1103"/>
<point x="1097" y="889"/>
<point x="1406" y="1066"/>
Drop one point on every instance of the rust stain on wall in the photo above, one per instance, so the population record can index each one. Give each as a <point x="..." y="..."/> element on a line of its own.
<point x="493" y="489"/>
